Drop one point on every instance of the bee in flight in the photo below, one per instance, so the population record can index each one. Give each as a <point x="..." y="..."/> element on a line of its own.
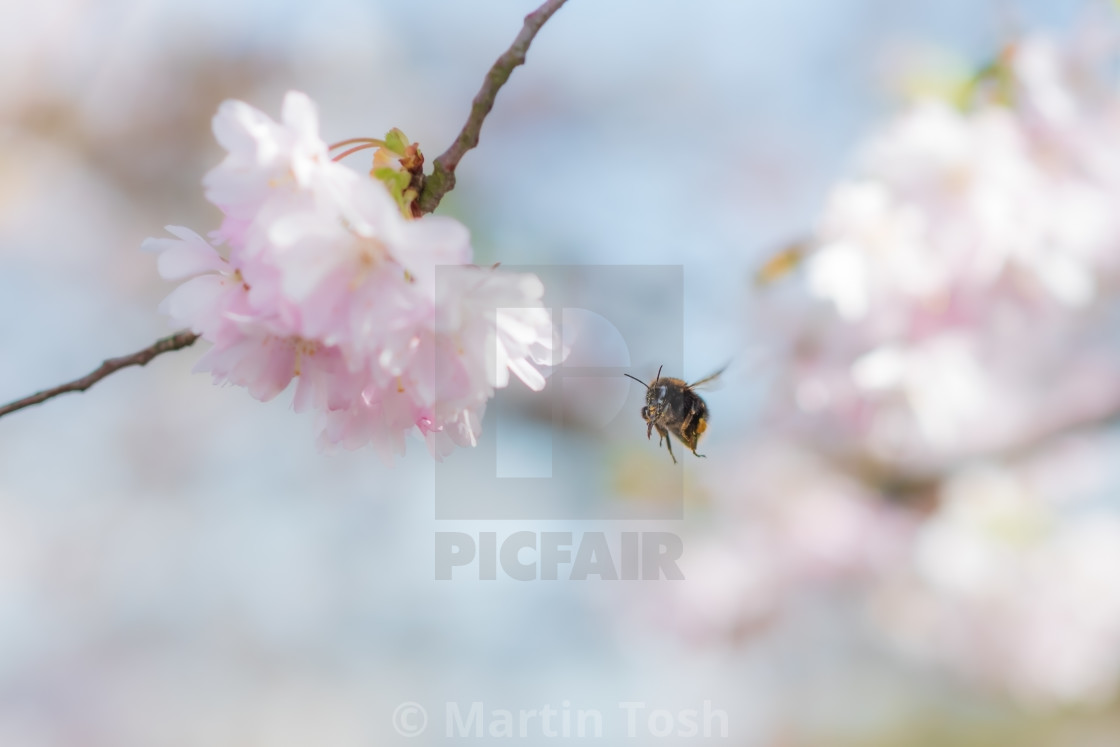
<point x="673" y="407"/>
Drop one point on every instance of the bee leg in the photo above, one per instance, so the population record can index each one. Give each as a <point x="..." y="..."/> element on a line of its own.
<point x="668" y="441"/>
<point x="649" y="431"/>
<point x="694" y="425"/>
<point x="688" y="420"/>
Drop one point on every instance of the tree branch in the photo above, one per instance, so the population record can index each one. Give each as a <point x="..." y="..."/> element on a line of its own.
<point x="177" y="341"/>
<point x="924" y="488"/>
<point x="442" y="179"/>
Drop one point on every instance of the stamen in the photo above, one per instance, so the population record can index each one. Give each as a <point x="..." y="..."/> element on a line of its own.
<point x="355" y="149"/>
<point x="370" y="140"/>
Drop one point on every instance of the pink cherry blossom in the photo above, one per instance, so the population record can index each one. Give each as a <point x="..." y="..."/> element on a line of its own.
<point x="317" y="276"/>
<point x="958" y="308"/>
<point x="952" y="305"/>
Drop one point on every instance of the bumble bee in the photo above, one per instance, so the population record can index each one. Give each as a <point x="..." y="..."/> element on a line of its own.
<point x="673" y="407"/>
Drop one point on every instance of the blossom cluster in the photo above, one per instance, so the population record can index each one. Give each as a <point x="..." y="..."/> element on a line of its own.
<point x="317" y="275"/>
<point x="960" y="318"/>
<point x="957" y="282"/>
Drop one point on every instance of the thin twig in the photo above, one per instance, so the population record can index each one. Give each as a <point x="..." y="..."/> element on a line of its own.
<point x="442" y="179"/>
<point x="177" y="341"/>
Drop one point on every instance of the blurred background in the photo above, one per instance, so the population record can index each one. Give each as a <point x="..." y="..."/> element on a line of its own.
<point x="180" y="565"/>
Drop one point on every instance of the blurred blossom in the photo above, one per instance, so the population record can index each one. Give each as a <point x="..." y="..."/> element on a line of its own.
<point x="958" y="298"/>
<point x="1012" y="591"/>
<point x="953" y="328"/>
<point x="325" y="281"/>
<point x="789" y="523"/>
<point x="732" y="587"/>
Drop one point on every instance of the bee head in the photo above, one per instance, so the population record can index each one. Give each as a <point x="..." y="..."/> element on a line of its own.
<point x="654" y="397"/>
<point x="656" y="400"/>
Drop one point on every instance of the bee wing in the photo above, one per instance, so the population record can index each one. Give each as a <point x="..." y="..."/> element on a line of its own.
<point x="710" y="379"/>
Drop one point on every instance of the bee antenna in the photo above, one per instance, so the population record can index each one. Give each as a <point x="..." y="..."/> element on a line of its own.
<point x="659" y="371"/>
<point x="638" y="380"/>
